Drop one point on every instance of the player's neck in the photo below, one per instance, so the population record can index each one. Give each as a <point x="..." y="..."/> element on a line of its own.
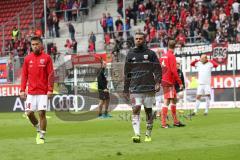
<point x="170" y="49"/>
<point x="37" y="53"/>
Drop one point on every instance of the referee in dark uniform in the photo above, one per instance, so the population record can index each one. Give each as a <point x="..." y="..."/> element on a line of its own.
<point x="103" y="91"/>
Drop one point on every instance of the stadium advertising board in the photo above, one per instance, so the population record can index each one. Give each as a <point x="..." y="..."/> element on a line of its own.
<point x="60" y="102"/>
<point x="217" y="81"/>
<point x="88" y="59"/>
<point x="9" y="90"/>
<point x="227" y="57"/>
<point x="3" y="70"/>
<point x="225" y="81"/>
<point x="80" y="103"/>
<point x="57" y="103"/>
<point x="223" y="78"/>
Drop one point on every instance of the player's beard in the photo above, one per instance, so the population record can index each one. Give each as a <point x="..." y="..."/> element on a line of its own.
<point x="140" y="45"/>
<point x="37" y="51"/>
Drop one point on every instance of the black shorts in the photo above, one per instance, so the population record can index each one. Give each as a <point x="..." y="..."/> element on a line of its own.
<point x="104" y="95"/>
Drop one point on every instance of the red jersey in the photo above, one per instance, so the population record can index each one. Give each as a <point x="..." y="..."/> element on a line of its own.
<point x="37" y="72"/>
<point x="169" y="69"/>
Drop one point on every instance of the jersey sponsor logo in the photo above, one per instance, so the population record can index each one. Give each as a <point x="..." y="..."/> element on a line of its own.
<point x="42" y="61"/>
<point x="31" y="62"/>
<point x="145" y="56"/>
<point x="68" y="102"/>
<point x="163" y="64"/>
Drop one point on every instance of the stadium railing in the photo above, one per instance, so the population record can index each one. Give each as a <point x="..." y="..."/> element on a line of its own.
<point x="26" y="19"/>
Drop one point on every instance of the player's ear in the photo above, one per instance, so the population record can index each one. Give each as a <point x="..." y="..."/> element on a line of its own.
<point x="31" y="47"/>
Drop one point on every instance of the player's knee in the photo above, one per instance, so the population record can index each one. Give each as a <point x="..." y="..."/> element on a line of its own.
<point x="208" y="97"/>
<point x="166" y="102"/>
<point x="42" y="114"/>
<point x="148" y="110"/>
<point x="198" y="97"/>
<point x="101" y="102"/>
<point x="29" y="113"/>
<point x="136" y="110"/>
<point x="173" y="101"/>
<point x="149" y="126"/>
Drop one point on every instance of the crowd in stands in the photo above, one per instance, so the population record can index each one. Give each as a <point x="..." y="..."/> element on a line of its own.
<point x="71" y="9"/>
<point x="20" y="44"/>
<point x="108" y="25"/>
<point x="184" y="20"/>
<point x="71" y="46"/>
<point x="207" y="20"/>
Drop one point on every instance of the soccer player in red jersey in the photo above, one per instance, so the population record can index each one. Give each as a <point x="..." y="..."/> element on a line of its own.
<point x="169" y="79"/>
<point x="37" y="74"/>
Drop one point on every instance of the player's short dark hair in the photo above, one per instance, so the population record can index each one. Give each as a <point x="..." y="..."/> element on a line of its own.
<point x="36" y="38"/>
<point x="203" y="54"/>
<point x="171" y="44"/>
<point x="140" y="33"/>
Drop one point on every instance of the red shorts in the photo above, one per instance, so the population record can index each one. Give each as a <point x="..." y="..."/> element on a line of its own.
<point x="169" y="92"/>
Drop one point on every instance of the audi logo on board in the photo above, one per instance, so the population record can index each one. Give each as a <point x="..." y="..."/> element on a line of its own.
<point x="68" y="102"/>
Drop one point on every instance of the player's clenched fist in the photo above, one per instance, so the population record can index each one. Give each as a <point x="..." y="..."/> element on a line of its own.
<point x="23" y="95"/>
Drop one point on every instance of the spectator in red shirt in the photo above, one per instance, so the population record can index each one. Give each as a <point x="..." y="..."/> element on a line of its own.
<point x="75" y="8"/>
<point x="160" y="20"/>
<point x="141" y="9"/>
<point x="227" y="10"/>
<point x="152" y="34"/>
<point x="119" y="26"/>
<point x="120" y="7"/>
<point x="107" y="38"/>
<point x="91" y="48"/>
<point x="103" y="22"/>
<point x="68" y="46"/>
<point x="181" y="38"/>
<point x="64" y="8"/>
<point x="38" y="33"/>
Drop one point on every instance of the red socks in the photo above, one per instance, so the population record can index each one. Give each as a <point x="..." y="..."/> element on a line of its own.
<point x="164" y="115"/>
<point x="174" y="113"/>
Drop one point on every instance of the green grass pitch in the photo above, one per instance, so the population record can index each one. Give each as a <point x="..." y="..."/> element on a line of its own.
<point x="212" y="137"/>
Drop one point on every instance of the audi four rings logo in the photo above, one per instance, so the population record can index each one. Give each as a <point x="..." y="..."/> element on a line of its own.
<point x="68" y="102"/>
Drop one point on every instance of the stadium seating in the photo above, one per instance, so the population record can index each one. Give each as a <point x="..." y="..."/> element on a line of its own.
<point x="14" y="11"/>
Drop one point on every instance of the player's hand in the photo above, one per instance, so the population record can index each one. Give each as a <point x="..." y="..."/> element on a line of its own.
<point x="49" y="94"/>
<point x="181" y="87"/>
<point x="126" y="96"/>
<point x="157" y="87"/>
<point x="105" y="90"/>
<point x="23" y="95"/>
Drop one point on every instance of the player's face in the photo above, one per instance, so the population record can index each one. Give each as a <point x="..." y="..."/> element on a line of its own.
<point x="139" y="40"/>
<point x="36" y="46"/>
<point x="204" y="58"/>
<point x="178" y="65"/>
<point x="159" y="53"/>
<point x="104" y="65"/>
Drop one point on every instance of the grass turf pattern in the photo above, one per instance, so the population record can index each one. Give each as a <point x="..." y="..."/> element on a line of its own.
<point x="212" y="137"/>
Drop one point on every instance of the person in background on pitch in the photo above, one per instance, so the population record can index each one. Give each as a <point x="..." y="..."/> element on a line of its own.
<point x="37" y="74"/>
<point x="103" y="92"/>
<point x="159" y="94"/>
<point x="177" y="86"/>
<point x="204" y="67"/>
<point x="169" y="79"/>
<point x="142" y="73"/>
